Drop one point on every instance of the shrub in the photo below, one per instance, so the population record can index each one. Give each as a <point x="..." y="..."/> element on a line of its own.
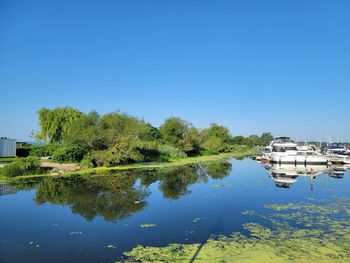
<point x="87" y="162"/>
<point x="148" y="151"/>
<point x="38" y="151"/>
<point x="23" y="151"/>
<point x="68" y="154"/>
<point x="169" y="152"/>
<point x="30" y="165"/>
<point x="41" y="151"/>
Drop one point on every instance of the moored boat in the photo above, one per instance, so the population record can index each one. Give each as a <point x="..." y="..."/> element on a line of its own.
<point x="302" y="158"/>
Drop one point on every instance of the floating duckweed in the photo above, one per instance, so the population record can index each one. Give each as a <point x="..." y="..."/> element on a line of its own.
<point x="321" y="235"/>
<point x="147" y="225"/>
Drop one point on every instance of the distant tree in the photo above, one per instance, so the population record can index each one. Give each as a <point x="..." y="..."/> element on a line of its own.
<point x="152" y="134"/>
<point x="239" y="140"/>
<point x="191" y="142"/>
<point x="216" y="138"/>
<point x="181" y="134"/>
<point x="265" y="138"/>
<point x="86" y="134"/>
<point x="174" y="130"/>
<point x="254" y="140"/>
<point x="55" y="124"/>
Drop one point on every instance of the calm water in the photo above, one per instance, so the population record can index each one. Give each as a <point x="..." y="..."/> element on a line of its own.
<point x="75" y="219"/>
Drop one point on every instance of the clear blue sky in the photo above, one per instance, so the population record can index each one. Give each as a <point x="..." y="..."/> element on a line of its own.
<point x="253" y="66"/>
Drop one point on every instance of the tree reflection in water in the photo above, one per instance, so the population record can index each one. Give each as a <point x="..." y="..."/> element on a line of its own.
<point x="117" y="196"/>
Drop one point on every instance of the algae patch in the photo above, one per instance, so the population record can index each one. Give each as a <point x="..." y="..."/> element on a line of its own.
<point x="301" y="232"/>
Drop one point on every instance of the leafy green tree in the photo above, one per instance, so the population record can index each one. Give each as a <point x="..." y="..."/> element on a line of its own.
<point x="191" y="142"/>
<point x="55" y="124"/>
<point x="216" y="138"/>
<point x="117" y="123"/>
<point x="86" y="133"/>
<point x="152" y="133"/>
<point x="181" y="134"/>
<point x="174" y="130"/>
<point x="253" y="140"/>
<point x="238" y="140"/>
<point x="265" y="138"/>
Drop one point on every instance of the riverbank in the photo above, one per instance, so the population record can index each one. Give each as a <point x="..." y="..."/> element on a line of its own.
<point x="146" y="166"/>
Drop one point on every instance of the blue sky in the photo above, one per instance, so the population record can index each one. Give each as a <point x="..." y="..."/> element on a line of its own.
<point x="253" y="66"/>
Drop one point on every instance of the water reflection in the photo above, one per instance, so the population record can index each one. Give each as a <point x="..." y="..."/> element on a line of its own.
<point x="286" y="175"/>
<point x="118" y="196"/>
<point x="6" y="189"/>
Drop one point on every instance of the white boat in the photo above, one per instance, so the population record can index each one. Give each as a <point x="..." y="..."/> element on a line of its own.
<point x="281" y="145"/>
<point x="336" y="149"/>
<point x="301" y="158"/>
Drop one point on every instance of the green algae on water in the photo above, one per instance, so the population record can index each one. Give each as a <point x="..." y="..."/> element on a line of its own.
<point x="301" y="232"/>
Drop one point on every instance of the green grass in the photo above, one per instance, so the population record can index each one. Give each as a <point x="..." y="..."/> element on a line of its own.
<point x="8" y="159"/>
<point x="240" y="152"/>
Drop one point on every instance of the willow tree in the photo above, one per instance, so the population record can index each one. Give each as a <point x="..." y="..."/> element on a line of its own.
<point x="55" y="123"/>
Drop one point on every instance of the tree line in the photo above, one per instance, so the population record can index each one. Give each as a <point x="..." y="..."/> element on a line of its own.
<point x="118" y="138"/>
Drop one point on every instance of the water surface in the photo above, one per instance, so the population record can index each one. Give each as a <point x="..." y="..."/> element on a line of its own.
<point x="97" y="218"/>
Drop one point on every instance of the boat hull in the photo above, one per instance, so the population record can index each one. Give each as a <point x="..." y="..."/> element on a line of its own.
<point x="301" y="160"/>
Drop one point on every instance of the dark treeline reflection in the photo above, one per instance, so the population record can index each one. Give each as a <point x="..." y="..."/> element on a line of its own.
<point x="118" y="196"/>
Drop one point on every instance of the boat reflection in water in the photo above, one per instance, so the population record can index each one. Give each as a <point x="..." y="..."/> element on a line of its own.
<point x="286" y="175"/>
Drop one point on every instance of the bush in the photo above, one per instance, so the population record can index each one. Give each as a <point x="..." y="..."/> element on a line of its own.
<point x="169" y="152"/>
<point x="30" y="165"/>
<point x="41" y="151"/>
<point x="87" y="162"/>
<point x="38" y="151"/>
<point x="148" y="151"/>
<point x="23" y="151"/>
<point x="68" y="154"/>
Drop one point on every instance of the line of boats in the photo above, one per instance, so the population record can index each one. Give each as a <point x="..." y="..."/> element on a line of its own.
<point x="285" y="151"/>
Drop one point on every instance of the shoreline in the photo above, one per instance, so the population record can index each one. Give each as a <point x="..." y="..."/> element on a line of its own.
<point x="142" y="166"/>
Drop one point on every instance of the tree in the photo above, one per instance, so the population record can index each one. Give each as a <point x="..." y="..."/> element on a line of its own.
<point x="191" y="142"/>
<point x="253" y="140"/>
<point x="265" y="138"/>
<point x="181" y="134"/>
<point x="216" y="138"/>
<point x="85" y="133"/>
<point x="55" y="124"/>
<point x="152" y="134"/>
<point x="174" y="130"/>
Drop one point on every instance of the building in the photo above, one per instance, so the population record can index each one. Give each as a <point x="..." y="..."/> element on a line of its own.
<point x="7" y="147"/>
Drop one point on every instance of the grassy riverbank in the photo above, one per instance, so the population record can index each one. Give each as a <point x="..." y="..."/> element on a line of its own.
<point x="148" y="165"/>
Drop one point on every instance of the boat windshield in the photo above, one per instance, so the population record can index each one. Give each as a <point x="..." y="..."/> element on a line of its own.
<point x="336" y="145"/>
<point x="283" y="149"/>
